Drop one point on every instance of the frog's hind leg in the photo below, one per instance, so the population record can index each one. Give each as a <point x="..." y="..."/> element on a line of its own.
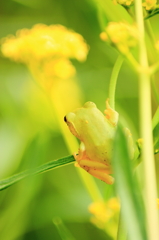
<point x="102" y="176"/>
<point x="88" y="164"/>
<point x="97" y="169"/>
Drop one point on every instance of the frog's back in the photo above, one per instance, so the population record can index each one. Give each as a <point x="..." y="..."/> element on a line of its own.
<point x="97" y="135"/>
<point x="95" y="126"/>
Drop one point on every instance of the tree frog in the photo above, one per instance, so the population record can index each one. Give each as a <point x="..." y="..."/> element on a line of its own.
<point x="96" y="132"/>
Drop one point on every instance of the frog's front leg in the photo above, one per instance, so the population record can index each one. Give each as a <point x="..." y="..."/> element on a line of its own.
<point x="97" y="169"/>
<point x="81" y="155"/>
<point x="111" y="114"/>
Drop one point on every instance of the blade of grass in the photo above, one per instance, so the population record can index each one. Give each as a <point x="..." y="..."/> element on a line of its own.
<point x="155" y="119"/>
<point x="113" y="80"/>
<point x="41" y="169"/>
<point x="155" y="127"/>
<point x="156" y="138"/>
<point x="131" y="201"/>
<point x="153" y="13"/>
<point x="64" y="232"/>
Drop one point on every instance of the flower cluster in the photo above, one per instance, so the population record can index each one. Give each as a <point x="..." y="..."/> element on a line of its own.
<point x="105" y="215"/>
<point x="49" y="47"/>
<point x="124" y="2"/>
<point x="149" y="4"/>
<point x="44" y="41"/>
<point x="60" y="67"/>
<point x="122" y="35"/>
<point x="46" y="51"/>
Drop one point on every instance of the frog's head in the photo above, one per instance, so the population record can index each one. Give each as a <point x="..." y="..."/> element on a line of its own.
<point x="70" y="121"/>
<point x="77" y="119"/>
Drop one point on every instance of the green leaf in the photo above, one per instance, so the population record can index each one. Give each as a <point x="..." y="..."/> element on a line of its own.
<point x="103" y="21"/>
<point x="156" y="138"/>
<point x="114" y="12"/>
<point x="128" y="190"/>
<point x="41" y="169"/>
<point x="155" y="119"/>
<point x="152" y="13"/>
<point x="155" y="127"/>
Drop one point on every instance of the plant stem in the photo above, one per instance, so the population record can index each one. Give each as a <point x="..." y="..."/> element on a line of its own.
<point x="121" y="234"/>
<point x="113" y="80"/>
<point x="155" y="90"/>
<point x="69" y="139"/>
<point x="150" y="31"/>
<point x="133" y="62"/>
<point x="155" y="119"/>
<point x="146" y="132"/>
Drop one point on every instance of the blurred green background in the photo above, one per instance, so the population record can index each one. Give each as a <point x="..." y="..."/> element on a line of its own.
<point x="29" y="135"/>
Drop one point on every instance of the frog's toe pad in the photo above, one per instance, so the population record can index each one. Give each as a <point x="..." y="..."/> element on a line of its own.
<point x="76" y="164"/>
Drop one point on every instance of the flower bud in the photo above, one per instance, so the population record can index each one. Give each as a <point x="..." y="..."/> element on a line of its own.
<point x="121" y="35"/>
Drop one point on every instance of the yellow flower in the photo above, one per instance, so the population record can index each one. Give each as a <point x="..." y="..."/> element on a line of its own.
<point x="157" y="45"/>
<point x="99" y="210"/>
<point x="114" y="204"/>
<point x="58" y="68"/>
<point x="122" y="35"/>
<point x="104" y="36"/>
<point x="105" y="215"/>
<point x="140" y="142"/>
<point x="149" y="4"/>
<point x="124" y="2"/>
<point x="43" y="42"/>
<point x="46" y="51"/>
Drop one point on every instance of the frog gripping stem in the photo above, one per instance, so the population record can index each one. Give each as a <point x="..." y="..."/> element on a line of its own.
<point x="111" y="114"/>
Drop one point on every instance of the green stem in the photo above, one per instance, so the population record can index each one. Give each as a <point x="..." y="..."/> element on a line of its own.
<point x="154" y="68"/>
<point x="112" y="87"/>
<point x="69" y="139"/>
<point x="133" y="62"/>
<point x="146" y="132"/>
<point x="155" y="119"/>
<point x="155" y="90"/>
<point x="121" y="234"/>
<point x="63" y="231"/>
<point x="150" y="31"/>
<point x="113" y="80"/>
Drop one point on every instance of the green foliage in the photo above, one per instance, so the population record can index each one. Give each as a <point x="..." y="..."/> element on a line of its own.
<point x="152" y="13"/>
<point x="132" y="208"/>
<point x="63" y="231"/>
<point x="30" y="133"/>
<point x="41" y="169"/>
<point x="156" y="138"/>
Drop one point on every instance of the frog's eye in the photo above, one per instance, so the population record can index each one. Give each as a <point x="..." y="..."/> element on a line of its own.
<point x="89" y="105"/>
<point x="65" y="119"/>
<point x="69" y="119"/>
